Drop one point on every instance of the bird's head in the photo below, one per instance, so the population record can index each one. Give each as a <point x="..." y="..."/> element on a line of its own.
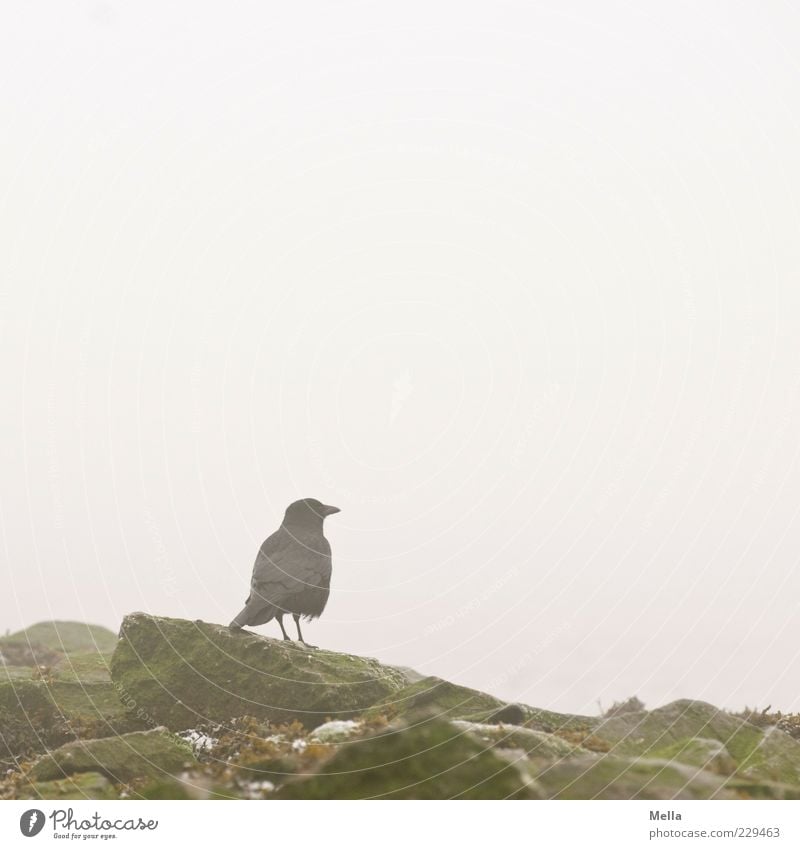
<point x="308" y="511"/>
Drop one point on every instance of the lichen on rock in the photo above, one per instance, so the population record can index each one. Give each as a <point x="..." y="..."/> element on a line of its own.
<point x="184" y="673"/>
<point x="122" y="758"/>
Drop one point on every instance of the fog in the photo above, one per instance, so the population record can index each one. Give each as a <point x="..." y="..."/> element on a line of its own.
<point x="514" y="285"/>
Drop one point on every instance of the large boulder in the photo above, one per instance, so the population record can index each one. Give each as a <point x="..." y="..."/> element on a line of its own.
<point x="180" y="674"/>
<point x="431" y="759"/>
<point x="141" y="754"/>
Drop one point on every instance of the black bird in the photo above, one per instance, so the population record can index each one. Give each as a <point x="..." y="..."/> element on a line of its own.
<point x="292" y="572"/>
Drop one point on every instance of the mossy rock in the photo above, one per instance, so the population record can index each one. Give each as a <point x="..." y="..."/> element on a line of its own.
<point x="429" y="760"/>
<point x="170" y="787"/>
<point x="613" y="777"/>
<point x="141" y="754"/>
<point x="434" y="696"/>
<point x="761" y="753"/>
<point x="27" y="699"/>
<point x="85" y="785"/>
<point x="181" y="674"/>
<point x="88" y="667"/>
<point x="273" y="769"/>
<point x="47" y="643"/>
<point x="535" y="744"/>
<point x="40" y="715"/>
<point x="65" y="637"/>
<point x="43" y="708"/>
<point x="559" y="723"/>
<point x="701" y="752"/>
<point x="94" y="704"/>
<point x="751" y="789"/>
<point x="17" y="673"/>
<point x="29" y="720"/>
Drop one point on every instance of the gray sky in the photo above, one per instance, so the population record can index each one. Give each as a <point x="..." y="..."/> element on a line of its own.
<point x="515" y="285"/>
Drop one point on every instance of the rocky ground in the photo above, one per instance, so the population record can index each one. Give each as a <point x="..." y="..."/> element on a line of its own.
<point x="175" y="709"/>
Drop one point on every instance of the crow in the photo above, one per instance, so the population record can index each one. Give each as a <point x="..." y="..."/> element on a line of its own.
<point x="292" y="572"/>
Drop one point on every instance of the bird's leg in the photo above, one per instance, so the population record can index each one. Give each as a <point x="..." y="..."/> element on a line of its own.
<point x="296" y="617"/>
<point x="280" y="622"/>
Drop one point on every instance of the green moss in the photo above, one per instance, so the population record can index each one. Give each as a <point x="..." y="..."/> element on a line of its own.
<point x="535" y="744"/>
<point x="89" y="667"/>
<point x="29" y="721"/>
<point x="744" y="789"/>
<point x="16" y="673"/>
<point x="435" y="696"/>
<point x="767" y="754"/>
<point x="612" y="777"/>
<point x="87" y="785"/>
<point x="122" y="758"/>
<point x="180" y="673"/>
<point x="430" y="760"/>
<point x="271" y="769"/>
<point x="700" y="752"/>
<point x="62" y="637"/>
<point x="170" y="788"/>
<point x="554" y="723"/>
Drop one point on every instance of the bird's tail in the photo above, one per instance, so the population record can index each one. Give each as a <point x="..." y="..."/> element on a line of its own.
<point x="256" y="611"/>
<point x="239" y="621"/>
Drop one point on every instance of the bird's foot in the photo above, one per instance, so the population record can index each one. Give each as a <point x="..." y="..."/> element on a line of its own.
<point x="307" y="645"/>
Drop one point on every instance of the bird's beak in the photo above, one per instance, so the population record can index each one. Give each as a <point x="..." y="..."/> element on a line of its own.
<point x="328" y="510"/>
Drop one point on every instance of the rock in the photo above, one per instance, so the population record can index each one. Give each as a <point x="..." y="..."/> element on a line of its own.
<point x="40" y="715"/>
<point x="150" y="754"/>
<point x="667" y="732"/>
<point x="93" y="709"/>
<point x="276" y="770"/>
<point x="613" y="777"/>
<point x="435" y="696"/>
<point x="336" y="731"/>
<point x="375" y="730"/>
<point x="88" y="667"/>
<point x="171" y="787"/>
<point x="411" y="675"/>
<point x="41" y="708"/>
<point x="47" y="643"/>
<point x="85" y="785"/>
<point x="429" y="760"/>
<point x="29" y="720"/>
<point x="532" y="743"/>
<point x="560" y="723"/>
<point x="509" y="715"/>
<point x="185" y="673"/>
<point x="703" y="753"/>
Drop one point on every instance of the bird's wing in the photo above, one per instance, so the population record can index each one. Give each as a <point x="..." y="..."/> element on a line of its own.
<point x="285" y="566"/>
<point x="275" y="569"/>
<point x="313" y="569"/>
